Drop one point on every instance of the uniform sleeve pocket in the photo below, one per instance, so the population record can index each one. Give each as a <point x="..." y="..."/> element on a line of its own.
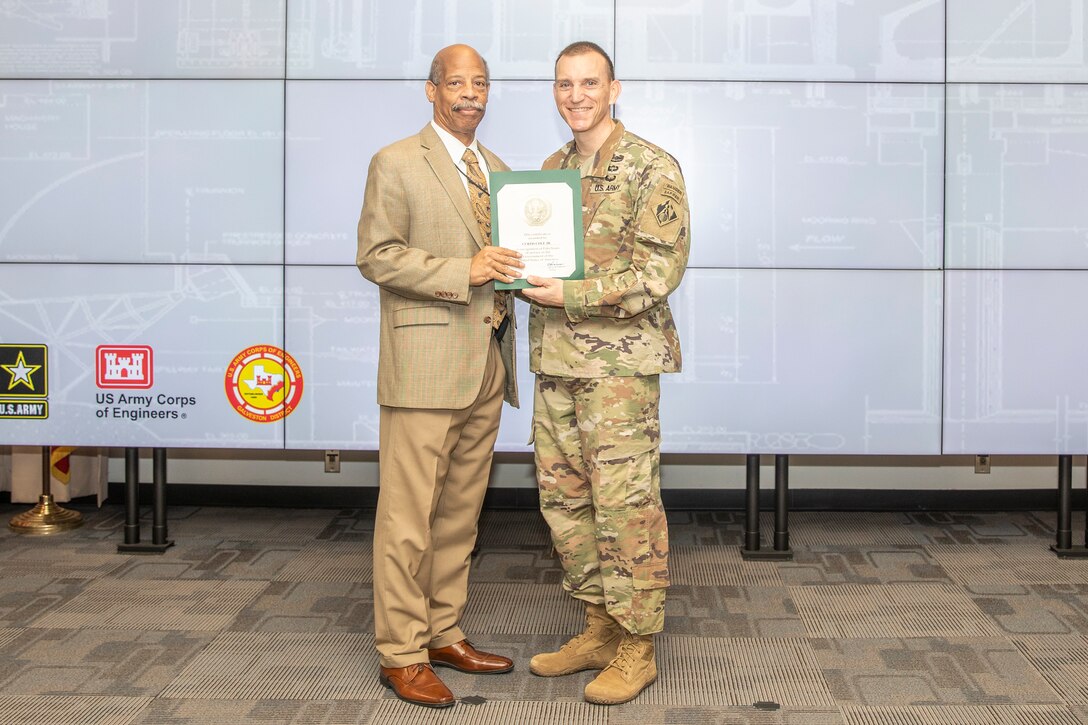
<point x="427" y="315"/>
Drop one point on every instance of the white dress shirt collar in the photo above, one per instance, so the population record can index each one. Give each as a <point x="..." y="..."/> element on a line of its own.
<point x="456" y="150"/>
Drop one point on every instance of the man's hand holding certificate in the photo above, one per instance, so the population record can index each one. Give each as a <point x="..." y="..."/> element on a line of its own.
<point x="539" y="215"/>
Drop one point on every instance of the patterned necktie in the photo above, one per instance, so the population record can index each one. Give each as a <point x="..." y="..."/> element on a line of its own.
<point x="481" y="209"/>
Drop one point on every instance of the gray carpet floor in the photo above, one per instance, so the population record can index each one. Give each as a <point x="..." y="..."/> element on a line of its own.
<point x="264" y="616"/>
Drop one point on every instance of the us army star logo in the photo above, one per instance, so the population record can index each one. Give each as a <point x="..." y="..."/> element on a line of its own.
<point x="20" y="372"/>
<point x="665" y="213"/>
<point x="24" y="381"/>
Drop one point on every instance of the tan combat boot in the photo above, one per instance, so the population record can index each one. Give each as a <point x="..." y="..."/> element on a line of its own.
<point x="631" y="671"/>
<point x="591" y="650"/>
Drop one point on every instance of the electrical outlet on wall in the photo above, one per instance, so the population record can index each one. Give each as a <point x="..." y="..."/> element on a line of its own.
<point x="332" y="461"/>
<point x="982" y="464"/>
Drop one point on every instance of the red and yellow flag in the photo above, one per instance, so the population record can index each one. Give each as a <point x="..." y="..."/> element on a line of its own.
<point x="60" y="462"/>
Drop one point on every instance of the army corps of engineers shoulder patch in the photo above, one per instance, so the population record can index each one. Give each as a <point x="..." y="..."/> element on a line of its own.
<point x="663" y="212"/>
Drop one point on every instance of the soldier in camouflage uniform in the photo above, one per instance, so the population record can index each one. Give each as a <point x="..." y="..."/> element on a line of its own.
<point x="598" y="346"/>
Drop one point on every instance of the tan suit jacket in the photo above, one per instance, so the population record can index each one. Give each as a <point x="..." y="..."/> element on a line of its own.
<point x="417" y="235"/>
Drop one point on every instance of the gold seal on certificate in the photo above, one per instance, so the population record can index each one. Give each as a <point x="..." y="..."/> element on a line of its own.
<point x="539" y="213"/>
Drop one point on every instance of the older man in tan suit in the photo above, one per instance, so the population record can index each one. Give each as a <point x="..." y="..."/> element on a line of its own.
<point x="445" y="364"/>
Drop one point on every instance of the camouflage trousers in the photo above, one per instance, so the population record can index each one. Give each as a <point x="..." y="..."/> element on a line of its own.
<point x="598" y="468"/>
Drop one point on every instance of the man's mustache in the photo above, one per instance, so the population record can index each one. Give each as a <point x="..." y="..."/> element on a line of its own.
<point x="465" y="105"/>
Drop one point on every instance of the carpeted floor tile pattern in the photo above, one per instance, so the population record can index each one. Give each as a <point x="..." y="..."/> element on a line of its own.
<point x="1063" y="661"/>
<point x="265" y="616"/>
<point x="961" y="715"/>
<point x="930" y="671"/>
<point x="890" y="610"/>
<point x="280" y="666"/>
<point x="69" y="710"/>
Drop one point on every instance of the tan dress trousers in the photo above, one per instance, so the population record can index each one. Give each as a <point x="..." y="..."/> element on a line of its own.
<point x="434" y="469"/>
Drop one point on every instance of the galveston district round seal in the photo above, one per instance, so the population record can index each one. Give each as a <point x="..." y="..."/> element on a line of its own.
<point x="263" y="383"/>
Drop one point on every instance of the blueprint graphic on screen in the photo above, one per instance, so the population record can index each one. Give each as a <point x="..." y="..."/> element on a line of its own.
<point x="806" y="361"/>
<point x="1014" y="362"/>
<point x="140" y="39"/>
<point x="1018" y="167"/>
<point x="894" y="40"/>
<point x="353" y="38"/>
<point x="802" y="174"/>
<point x="1018" y="40"/>
<point x="135" y="171"/>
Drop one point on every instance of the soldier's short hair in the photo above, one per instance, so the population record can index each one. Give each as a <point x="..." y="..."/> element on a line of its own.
<point x="581" y="47"/>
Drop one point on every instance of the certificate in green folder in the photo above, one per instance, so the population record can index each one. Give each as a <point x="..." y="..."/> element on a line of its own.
<point x="539" y="213"/>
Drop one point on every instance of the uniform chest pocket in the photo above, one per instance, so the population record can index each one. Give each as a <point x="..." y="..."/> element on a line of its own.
<point x="607" y="230"/>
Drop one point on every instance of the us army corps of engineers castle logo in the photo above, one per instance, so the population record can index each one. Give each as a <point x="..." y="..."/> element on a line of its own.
<point x="124" y="366"/>
<point x="263" y="383"/>
<point x="120" y="368"/>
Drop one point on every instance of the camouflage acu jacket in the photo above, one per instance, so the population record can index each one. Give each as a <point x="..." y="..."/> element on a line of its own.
<point x="617" y="320"/>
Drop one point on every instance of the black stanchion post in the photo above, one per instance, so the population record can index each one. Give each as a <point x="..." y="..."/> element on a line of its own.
<point x="1065" y="502"/>
<point x="781" y="504"/>
<point x="159" y="543"/>
<point x="1063" y="545"/>
<point x="751" y="504"/>
<point x="781" y="550"/>
<point x="158" y="520"/>
<point x="132" y="495"/>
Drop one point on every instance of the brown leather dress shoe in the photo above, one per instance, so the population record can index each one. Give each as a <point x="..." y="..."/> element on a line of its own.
<point x="417" y="684"/>
<point x="463" y="656"/>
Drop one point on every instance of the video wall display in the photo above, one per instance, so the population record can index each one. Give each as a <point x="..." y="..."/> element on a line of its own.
<point x="889" y="249"/>
<point x="142" y="171"/>
<point x="803" y="361"/>
<point x="1016" y="342"/>
<point x="709" y="40"/>
<point x="1013" y="41"/>
<point x="809" y="175"/>
<point x="1018" y="161"/>
<point x="147" y="355"/>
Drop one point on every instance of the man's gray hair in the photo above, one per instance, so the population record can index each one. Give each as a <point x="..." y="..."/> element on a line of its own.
<point x="438" y="70"/>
